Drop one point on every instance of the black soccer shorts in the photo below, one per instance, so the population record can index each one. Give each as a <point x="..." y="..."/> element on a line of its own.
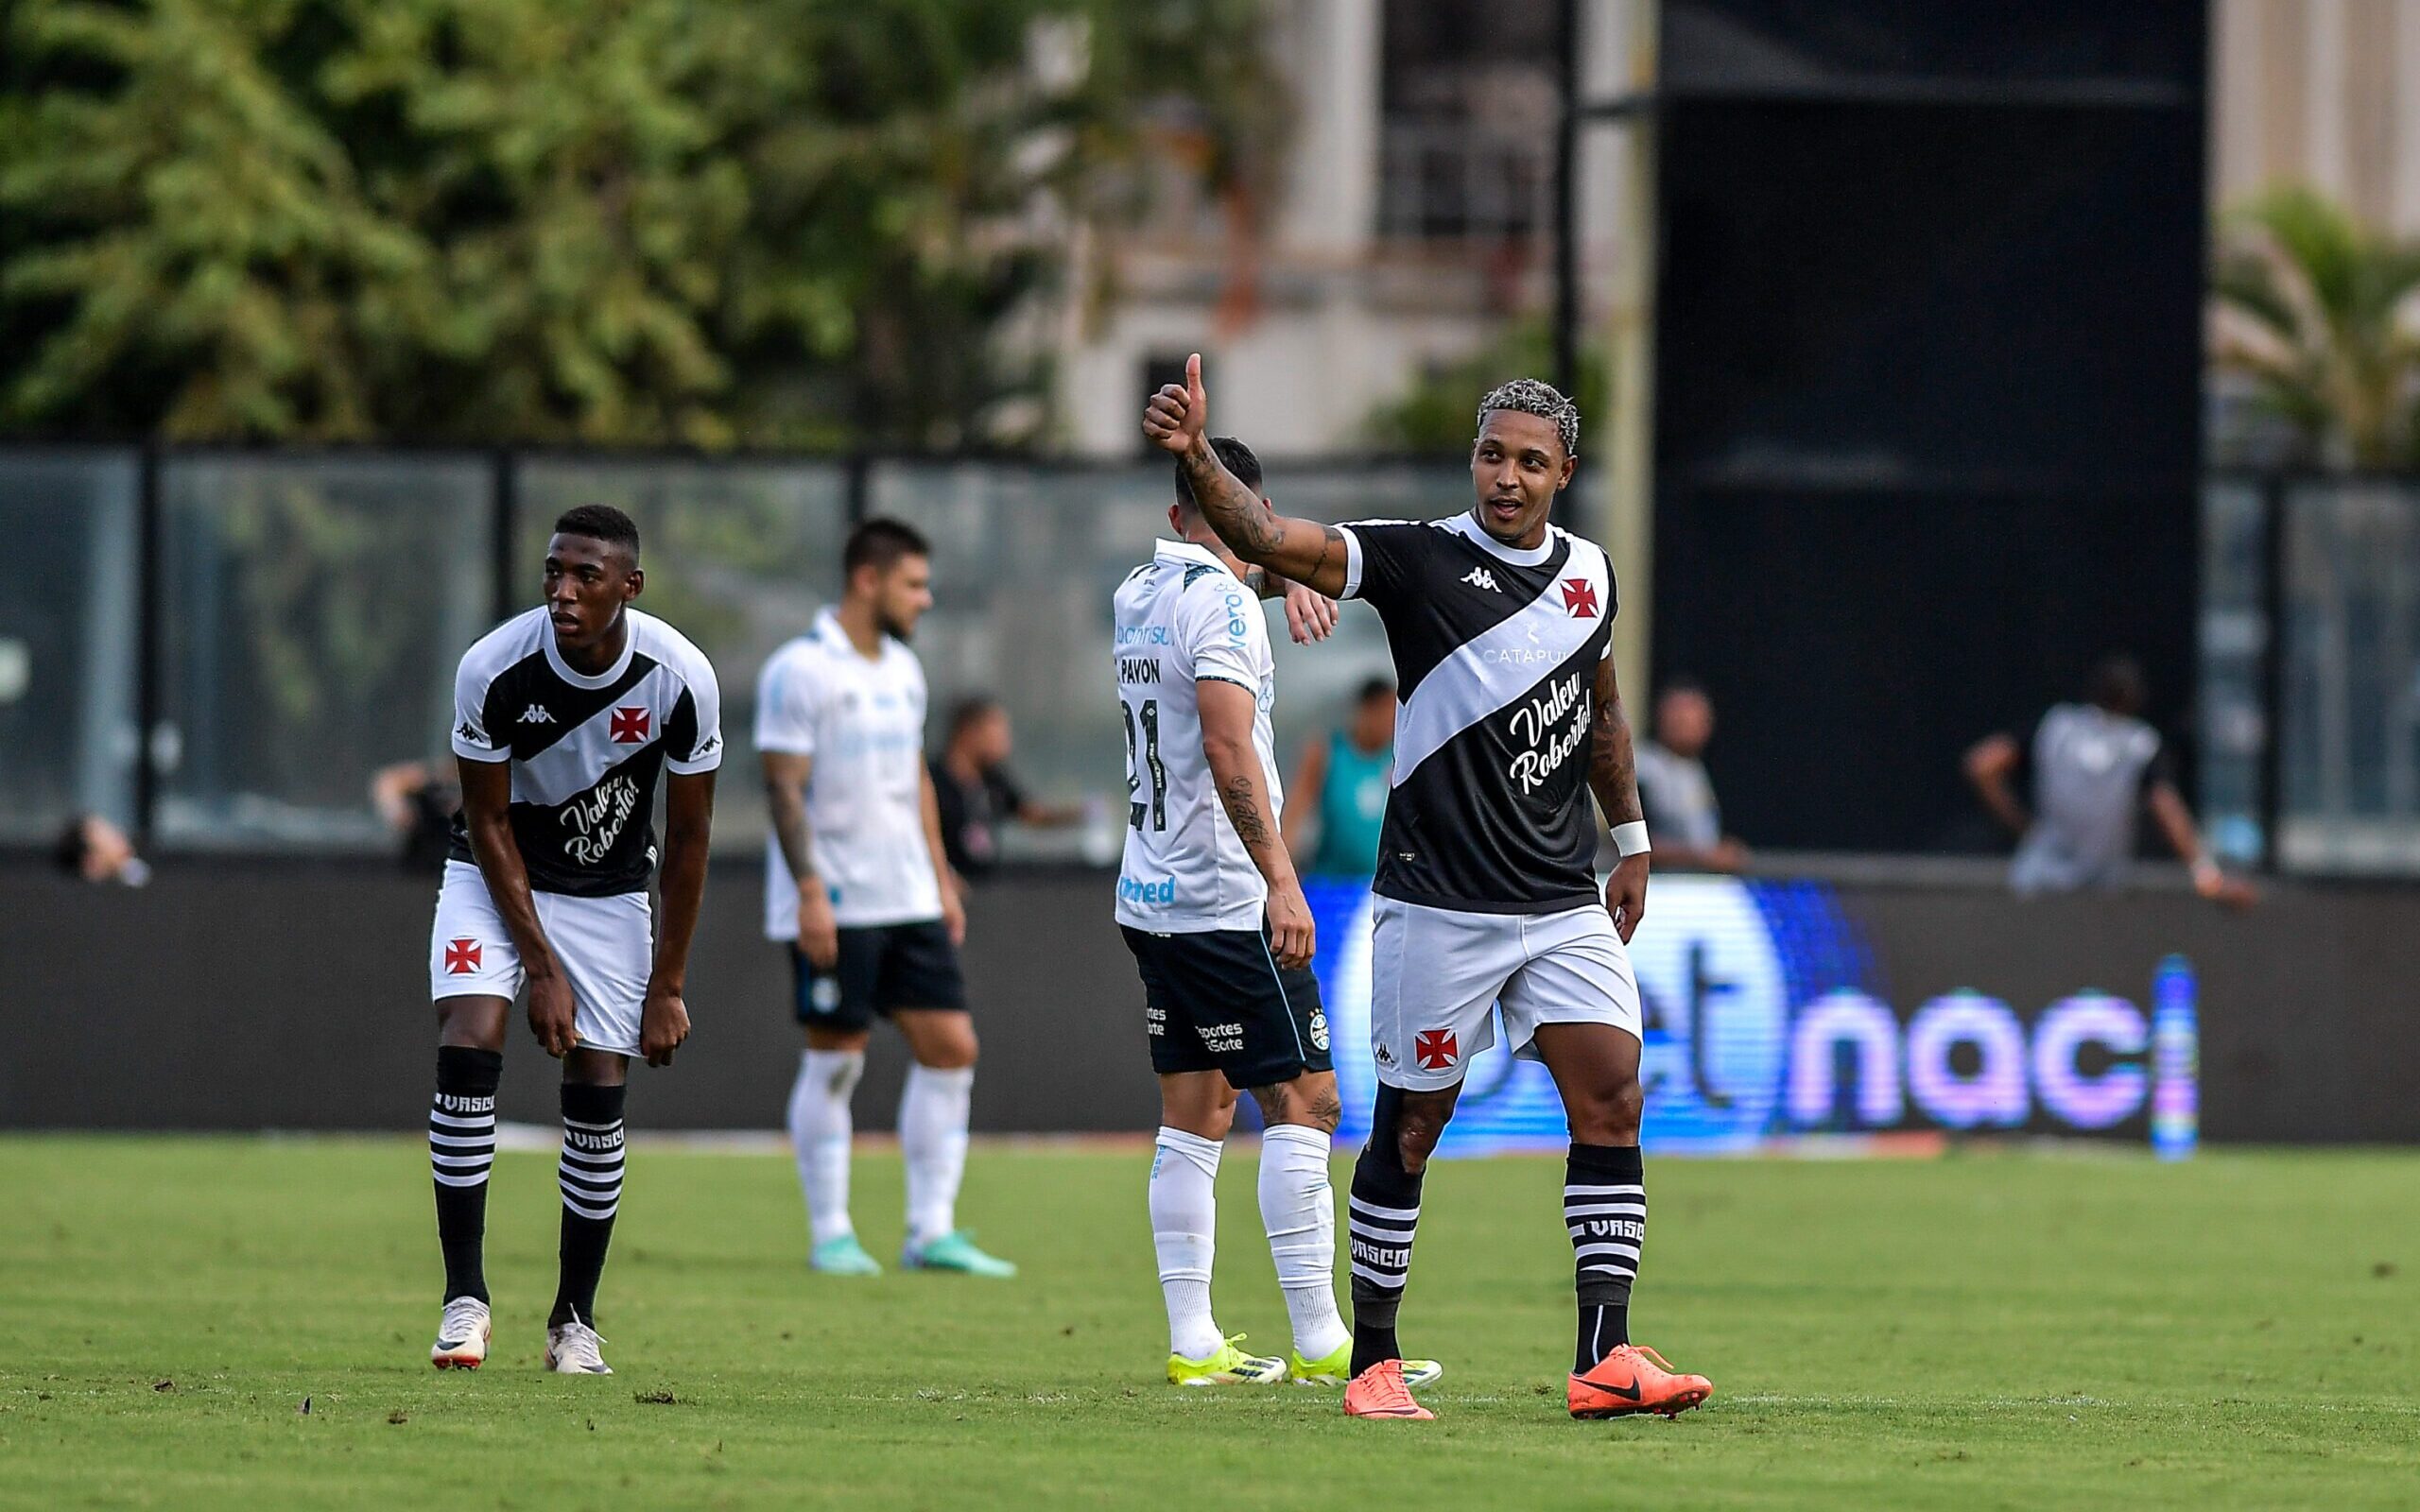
<point x="882" y="969"/>
<point x="1218" y="1001"/>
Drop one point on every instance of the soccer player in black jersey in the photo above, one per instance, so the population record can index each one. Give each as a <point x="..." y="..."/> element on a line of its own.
<point x="1500" y="626"/>
<point x="564" y="718"/>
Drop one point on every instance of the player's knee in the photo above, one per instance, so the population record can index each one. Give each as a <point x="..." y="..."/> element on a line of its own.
<point x="946" y="1046"/>
<point x="1417" y="1134"/>
<point x="1610" y="1116"/>
<point x="1308" y="1101"/>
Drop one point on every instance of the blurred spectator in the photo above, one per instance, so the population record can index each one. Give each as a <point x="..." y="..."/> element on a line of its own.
<point x="96" y="850"/>
<point x="419" y="807"/>
<point x="1337" y="797"/>
<point x="2092" y="764"/>
<point x="1684" y="821"/>
<point x="977" y="793"/>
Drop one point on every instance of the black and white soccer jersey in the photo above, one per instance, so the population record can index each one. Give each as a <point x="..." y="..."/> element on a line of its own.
<point x="585" y="751"/>
<point x="1495" y="653"/>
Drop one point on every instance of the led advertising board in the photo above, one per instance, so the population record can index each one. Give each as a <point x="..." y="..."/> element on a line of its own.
<point x="1769" y="1014"/>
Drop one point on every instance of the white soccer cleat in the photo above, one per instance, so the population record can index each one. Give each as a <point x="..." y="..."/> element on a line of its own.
<point x="462" y="1336"/>
<point x="573" y="1351"/>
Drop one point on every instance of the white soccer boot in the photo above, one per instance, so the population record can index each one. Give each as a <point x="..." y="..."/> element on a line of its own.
<point x="462" y="1336"/>
<point x="572" y="1350"/>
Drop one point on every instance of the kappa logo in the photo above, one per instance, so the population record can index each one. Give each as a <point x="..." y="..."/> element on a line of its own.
<point x="535" y="714"/>
<point x="1481" y="577"/>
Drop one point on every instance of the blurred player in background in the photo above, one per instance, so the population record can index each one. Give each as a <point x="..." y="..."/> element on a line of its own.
<point x="1209" y="903"/>
<point x="1674" y="789"/>
<point x="1340" y="788"/>
<point x="1500" y="629"/>
<point x="976" y="791"/>
<point x="562" y="719"/>
<point x="2093" y="763"/>
<point x="857" y="891"/>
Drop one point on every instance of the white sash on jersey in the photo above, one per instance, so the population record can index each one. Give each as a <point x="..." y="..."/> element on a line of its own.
<point x="1493" y="671"/>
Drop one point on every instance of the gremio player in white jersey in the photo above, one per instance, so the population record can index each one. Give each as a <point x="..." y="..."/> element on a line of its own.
<point x="1209" y="903"/>
<point x="857" y="894"/>
<point x="1487" y="899"/>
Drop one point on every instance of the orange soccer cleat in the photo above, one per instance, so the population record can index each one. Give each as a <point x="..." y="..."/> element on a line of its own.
<point x="1379" y="1392"/>
<point x="1634" y="1378"/>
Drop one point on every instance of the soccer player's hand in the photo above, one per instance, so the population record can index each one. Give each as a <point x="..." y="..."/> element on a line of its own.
<point x="553" y="1014"/>
<point x="819" y="932"/>
<point x="1626" y="895"/>
<point x="1290" y="938"/>
<point x="1174" y="418"/>
<point x="1309" y="616"/>
<point x="663" y="1022"/>
<point x="953" y="915"/>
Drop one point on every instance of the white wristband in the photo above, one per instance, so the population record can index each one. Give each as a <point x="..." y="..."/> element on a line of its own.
<point x="1630" y="839"/>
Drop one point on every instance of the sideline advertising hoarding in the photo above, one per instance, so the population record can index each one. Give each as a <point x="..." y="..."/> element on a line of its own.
<point x="1770" y="1014"/>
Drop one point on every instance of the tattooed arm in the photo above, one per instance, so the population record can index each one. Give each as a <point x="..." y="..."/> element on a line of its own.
<point x="1613" y="776"/>
<point x="1310" y="554"/>
<point x="1227" y="711"/>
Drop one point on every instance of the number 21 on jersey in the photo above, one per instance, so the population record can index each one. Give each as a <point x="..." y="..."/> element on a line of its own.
<point x="1143" y="758"/>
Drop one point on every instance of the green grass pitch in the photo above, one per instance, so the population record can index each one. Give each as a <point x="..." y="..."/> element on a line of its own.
<point x="1990" y="1331"/>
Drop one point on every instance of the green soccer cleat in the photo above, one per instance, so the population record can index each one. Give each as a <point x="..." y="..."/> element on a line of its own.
<point x="1230" y="1367"/>
<point x="954" y="1251"/>
<point x="843" y="1256"/>
<point x="1336" y="1370"/>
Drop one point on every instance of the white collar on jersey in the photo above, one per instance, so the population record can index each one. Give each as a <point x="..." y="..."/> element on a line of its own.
<point x="1468" y="527"/>
<point x="606" y="678"/>
<point x="829" y="628"/>
<point x="1187" y="551"/>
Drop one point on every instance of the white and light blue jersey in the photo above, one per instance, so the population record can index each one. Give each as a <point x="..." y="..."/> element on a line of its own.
<point x="1182" y="618"/>
<point x="863" y="721"/>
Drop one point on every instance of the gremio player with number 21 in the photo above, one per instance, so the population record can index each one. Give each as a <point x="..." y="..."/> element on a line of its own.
<point x="1209" y="903"/>
<point x="1500" y="629"/>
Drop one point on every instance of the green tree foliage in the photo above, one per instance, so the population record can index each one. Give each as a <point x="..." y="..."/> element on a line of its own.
<point x="766" y="222"/>
<point x="2314" y="307"/>
<point x="1435" y="414"/>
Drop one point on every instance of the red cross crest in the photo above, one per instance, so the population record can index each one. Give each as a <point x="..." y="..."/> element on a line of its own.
<point x="1579" y="597"/>
<point x="629" y="727"/>
<point x="462" y="956"/>
<point x="1435" y="1049"/>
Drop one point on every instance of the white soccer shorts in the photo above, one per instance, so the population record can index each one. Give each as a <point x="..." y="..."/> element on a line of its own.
<point x="1436" y="973"/>
<point x="606" y="945"/>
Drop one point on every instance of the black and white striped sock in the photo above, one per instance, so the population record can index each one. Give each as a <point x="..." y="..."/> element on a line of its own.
<point x="589" y="1173"/>
<point x="461" y="1147"/>
<point x="1382" y="1213"/>
<point x="1604" y="1207"/>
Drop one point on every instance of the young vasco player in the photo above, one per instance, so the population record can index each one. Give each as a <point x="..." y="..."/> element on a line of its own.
<point x="564" y="718"/>
<point x="1500" y="630"/>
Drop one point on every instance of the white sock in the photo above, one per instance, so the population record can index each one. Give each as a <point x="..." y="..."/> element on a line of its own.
<point x="1185" y="1226"/>
<point x="820" y="1130"/>
<point x="932" y="1141"/>
<point x="1298" y="1208"/>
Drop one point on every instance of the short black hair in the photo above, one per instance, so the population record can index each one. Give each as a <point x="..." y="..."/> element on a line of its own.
<point x="1237" y="458"/>
<point x="600" y="521"/>
<point x="1374" y="688"/>
<point x="879" y="544"/>
<point x="968" y="709"/>
<point x="1683" y="682"/>
<point x="2117" y="685"/>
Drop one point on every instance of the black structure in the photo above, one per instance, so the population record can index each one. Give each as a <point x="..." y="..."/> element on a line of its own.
<point x="1927" y="384"/>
